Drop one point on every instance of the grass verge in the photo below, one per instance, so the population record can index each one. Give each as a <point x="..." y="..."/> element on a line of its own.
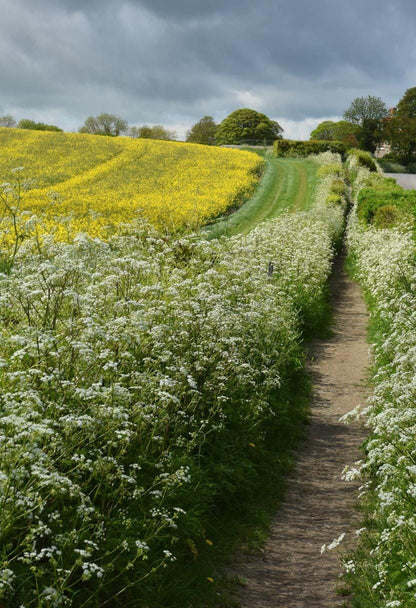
<point x="287" y="184"/>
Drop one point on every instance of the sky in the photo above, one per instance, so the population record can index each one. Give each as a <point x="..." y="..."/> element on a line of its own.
<point x="171" y="62"/>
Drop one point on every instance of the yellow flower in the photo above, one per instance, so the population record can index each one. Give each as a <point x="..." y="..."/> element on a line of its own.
<point x="100" y="182"/>
<point x="252" y="445"/>
<point x="209" y="579"/>
<point x="209" y="542"/>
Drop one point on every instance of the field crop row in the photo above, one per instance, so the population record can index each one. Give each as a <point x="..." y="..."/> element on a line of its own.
<point x="143" y="384"/>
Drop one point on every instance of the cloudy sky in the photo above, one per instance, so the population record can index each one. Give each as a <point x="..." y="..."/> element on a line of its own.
<point x="171" y="62"/>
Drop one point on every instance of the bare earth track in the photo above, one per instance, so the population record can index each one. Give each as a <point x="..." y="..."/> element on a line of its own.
<point x="291" y="572"/>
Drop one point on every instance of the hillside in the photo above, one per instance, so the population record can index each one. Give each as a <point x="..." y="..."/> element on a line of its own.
<point x="98" y="182"/>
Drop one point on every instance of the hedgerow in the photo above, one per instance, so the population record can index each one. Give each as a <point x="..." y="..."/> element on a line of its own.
<point x="142" y="381"/>
<point x="380" y="201"/>
<point x="294" y="148"/>
<point x="360" y="158"/>
<point x="381" y="572"/>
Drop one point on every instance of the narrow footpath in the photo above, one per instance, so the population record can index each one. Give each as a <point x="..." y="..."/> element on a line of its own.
<point x="319" y="505"/>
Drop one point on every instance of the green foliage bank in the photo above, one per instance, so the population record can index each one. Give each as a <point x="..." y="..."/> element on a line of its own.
<point x="380" y="202"/>
<point x="381" y="571"/>
<point x="145" y="385"/>
<point x="294" y="148"/>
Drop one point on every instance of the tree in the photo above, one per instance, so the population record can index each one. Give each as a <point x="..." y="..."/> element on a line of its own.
<point x="155" y="132"/>
<point x="337" y="131"/>
<point x="324" y="131"/>
<point x="247" y="126"/>
<point x="203" y="131"/>
<point x="368" y="113"/>
<point x="399" y="128"/>
<point x="104" y="124"/>
<point x="7" y="121"/>
<point x="400" y="133"/>
<point x="26" y="123"/>
<point x="367" y="108"/>
<point x="407" y="105"/>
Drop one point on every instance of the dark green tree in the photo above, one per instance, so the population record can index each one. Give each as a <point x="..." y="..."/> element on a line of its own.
<point x="407" y="105"/>
<point x="370" y="134"/>
<point x="26" y="123"/>
<point x="104" y="124"/>
<point x="247" y="126"/>
<point x="400" y="133"/>
<point x="202" y="132"/>
<point x="368" y="113"/>
<point x="399" y="129"/>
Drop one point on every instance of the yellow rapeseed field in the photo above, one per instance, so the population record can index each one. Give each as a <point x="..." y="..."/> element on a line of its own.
<point x="100" y="182"/>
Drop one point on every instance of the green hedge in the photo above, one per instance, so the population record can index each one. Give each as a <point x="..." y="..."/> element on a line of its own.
<point x="363" y="159"/>
<point x="384" y="194"/>
<point x="292" y="148"/>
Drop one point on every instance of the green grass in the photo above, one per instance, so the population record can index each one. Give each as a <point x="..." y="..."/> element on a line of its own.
<point x="287" y="184"/>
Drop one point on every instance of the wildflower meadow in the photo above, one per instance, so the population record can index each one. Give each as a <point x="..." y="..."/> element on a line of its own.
<point x="144" y="383"/>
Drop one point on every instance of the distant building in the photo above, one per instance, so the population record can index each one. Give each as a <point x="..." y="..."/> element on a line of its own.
<point x="382" y="150"/>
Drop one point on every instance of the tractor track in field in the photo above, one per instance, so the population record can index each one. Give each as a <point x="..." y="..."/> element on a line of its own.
<point x="290" y="571"/>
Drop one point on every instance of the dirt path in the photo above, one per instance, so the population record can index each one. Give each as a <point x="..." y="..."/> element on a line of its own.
<point x="291" y="572"/>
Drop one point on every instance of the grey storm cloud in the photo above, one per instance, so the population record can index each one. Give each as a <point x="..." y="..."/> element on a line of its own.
<point x="172" y="61"/>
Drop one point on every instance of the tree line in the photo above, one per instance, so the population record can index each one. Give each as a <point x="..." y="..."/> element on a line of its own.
<point x="243" y="126"/>
<point x="103" y="124"/>
<point x="9" y="121"/>
<point x="368" y="122"/>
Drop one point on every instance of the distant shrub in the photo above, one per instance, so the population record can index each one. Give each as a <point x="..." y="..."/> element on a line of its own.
<point x="362" y="159"/>
<point x="388" y="195"/>
<point x="26" y="123"/>
<point x="331" y="169"/>
<point x="334" y="199"/>
<point x="292" y="148"/>
<point x="391" y="166"/>
<point x="338" y="186"/>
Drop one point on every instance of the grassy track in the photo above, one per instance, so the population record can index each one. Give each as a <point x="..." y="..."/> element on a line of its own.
<point x="287" y="184"/>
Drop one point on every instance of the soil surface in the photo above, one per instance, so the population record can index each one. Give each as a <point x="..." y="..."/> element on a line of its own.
<point x="290" y="572"/>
